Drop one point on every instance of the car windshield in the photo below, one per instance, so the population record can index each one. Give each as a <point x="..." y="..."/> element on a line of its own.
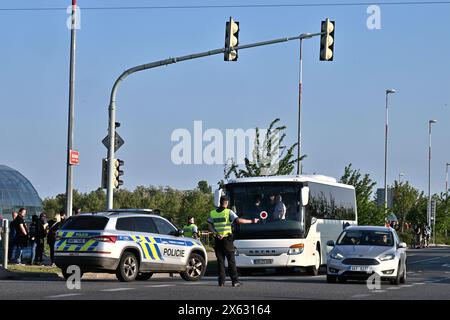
<point x="275" y="204"/>
<point x="85" y="223"/>
<point x="366" y="238"/>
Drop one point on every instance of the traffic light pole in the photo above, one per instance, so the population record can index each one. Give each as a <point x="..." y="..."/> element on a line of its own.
<point x="160" y="63"/>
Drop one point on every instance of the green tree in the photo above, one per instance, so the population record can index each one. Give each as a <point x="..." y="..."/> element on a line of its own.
<point x="204" y="187"/>
<point x="368" y="212"/>
<point x="267" y="158"/>
<point x="405" y="198"/>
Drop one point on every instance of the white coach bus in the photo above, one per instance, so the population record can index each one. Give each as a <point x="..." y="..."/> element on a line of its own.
<point x="297" y="216"/>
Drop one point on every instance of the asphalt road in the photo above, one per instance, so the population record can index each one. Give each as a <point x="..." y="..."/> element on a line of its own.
<point x="428" y="278"/>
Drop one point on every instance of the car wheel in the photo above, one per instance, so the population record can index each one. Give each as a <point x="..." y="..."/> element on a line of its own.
<point x="128" y="267"/>
<point x="314" y="270"/>
<point x="396" y="281"/>
<point x="66" y="274"/>
<point x="331" y="279"/>
<point x="195" y="268"/>
<point x="143" y="276"/>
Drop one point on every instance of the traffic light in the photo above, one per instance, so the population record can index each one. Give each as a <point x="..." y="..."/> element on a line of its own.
<point x="104" y="173"/>
<point x="117" y="173"/>
<point x="231" y="40"/>
<point x="327" y="41"/>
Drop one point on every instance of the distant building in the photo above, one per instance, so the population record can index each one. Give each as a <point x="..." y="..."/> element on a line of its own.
<point x="16" y="192"/>
<point x="390" y="197"/>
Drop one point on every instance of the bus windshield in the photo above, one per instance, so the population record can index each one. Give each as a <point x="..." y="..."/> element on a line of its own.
<point x="275" y="204"/>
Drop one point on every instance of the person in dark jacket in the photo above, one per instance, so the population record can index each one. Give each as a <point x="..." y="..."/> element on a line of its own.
<point x="21" y="235"/>
<point x="33" y="237"/>
<point x="12" y="236"/>
<point x="51" y="236"/>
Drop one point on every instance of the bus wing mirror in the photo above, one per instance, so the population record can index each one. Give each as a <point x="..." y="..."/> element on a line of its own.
<point x="305" y="196"/>
<point x="217" y="195"/>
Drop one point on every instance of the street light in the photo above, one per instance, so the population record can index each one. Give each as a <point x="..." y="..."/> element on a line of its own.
<point x="430" y="122"/>
<point x="388" y="91"/>
<point x="400" y="177"/>
<point x="446" y="176"/>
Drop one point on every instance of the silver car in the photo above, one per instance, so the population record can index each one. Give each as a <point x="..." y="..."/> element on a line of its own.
<point x="361" y="251"/>
<point x="133" y="244"/>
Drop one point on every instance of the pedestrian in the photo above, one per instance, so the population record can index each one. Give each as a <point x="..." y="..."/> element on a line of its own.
<point x="51" y="237"/>
<point x="33" y="237"/>
<point x="12" y="236"/>
<point x="190" y="229"/>
<point x="418" y="237"/>
<point x="219" y="223"/>
<point x="21" y="236"/>
<point x="41" y="234"/>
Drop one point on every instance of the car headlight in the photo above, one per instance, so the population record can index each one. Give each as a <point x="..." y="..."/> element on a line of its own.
<point x="296" y="249"/>
<point x="336" y="255"/>
<point x="387" y="257"/>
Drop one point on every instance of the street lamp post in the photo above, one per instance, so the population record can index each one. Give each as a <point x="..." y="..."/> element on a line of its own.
<point x="69" y="173"/>
<point x="400" y="177"/>
<point x="446" y="176"/>
<point x="430" y="122"/>
<point x="388" y="91"/>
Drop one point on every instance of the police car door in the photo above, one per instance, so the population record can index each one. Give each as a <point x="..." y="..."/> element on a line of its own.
<point x="173" y="248"/>
<point x="144" y="235"/>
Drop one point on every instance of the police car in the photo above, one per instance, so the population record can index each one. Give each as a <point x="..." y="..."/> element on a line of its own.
<point x="133" y="244"/>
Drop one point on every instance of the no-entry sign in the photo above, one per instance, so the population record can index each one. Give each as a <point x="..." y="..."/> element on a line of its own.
<point x="74" y="157"/>
<point x="263" y="215"/>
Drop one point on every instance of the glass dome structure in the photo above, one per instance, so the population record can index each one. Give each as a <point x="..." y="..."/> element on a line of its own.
<point x="16" y="191"/>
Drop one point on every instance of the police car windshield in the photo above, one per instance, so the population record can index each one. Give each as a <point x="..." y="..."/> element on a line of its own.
<point x="85" y="223"/>
<point x="275" y="204"/>
<point x="366" y="238"/>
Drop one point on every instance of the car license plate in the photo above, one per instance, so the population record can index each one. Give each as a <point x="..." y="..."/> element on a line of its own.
<point x="76" y="241"/>
<point x="263" y="261"/>
<point x="359" y="268"/>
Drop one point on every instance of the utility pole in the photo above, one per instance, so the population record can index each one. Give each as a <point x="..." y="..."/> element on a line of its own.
<point x="69" y="175"/>
<point x="388" y="91"/>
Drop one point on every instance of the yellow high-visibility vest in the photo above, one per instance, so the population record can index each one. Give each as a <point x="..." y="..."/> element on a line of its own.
<point x="221" y="222"/>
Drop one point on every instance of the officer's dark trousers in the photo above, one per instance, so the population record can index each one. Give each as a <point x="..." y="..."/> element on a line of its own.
<point x="225" y="249"/>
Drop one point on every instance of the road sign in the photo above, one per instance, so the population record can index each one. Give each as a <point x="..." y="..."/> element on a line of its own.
<point x="74" y="157"/>
<point x="263" y="215"/>
<point x="119" y="142"/>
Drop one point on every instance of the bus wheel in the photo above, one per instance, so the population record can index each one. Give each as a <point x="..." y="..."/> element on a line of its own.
<point x="314" y="269"/>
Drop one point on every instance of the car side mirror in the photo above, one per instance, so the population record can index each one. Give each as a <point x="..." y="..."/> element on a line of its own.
<point x="330" y="243"/>
<point x="180" y="233"/>
<point x="217" y="195"/>
<point x="401" y="245"/>
<point x="305" y="195"/>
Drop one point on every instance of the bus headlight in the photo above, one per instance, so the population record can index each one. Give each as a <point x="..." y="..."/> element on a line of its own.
<point x="296" y="249"/>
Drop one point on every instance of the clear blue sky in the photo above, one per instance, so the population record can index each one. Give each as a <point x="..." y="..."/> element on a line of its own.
<point x="343" y="119"/>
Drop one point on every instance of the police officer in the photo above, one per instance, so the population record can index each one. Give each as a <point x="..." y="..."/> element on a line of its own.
<point x="190" y="229"/>
<point x="219" y="223"/>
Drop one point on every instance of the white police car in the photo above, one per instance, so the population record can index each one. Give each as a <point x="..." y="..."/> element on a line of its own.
<point x="131" y="243"/>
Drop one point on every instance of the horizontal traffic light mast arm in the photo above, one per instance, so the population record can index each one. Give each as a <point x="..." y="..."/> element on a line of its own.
<point x="160" y="63"/>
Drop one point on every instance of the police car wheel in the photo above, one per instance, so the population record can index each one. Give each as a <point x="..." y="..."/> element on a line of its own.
<point x="195" y="268"/>
<point x="142" y="276"/>
<point x="128" y="268"/>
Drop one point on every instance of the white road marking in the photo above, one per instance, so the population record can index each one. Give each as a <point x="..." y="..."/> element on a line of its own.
<point x="361" y="295"/>
<point x="379" y="291"/>
<point x="425" y="260"/>
<point x="64" y="295"/>
<point x="160" y="285"/>
<point x="418" y="283"/>
<point x="116" y="289"/>
<point x="407" y="286"/>
<point x="393" y="288"/>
